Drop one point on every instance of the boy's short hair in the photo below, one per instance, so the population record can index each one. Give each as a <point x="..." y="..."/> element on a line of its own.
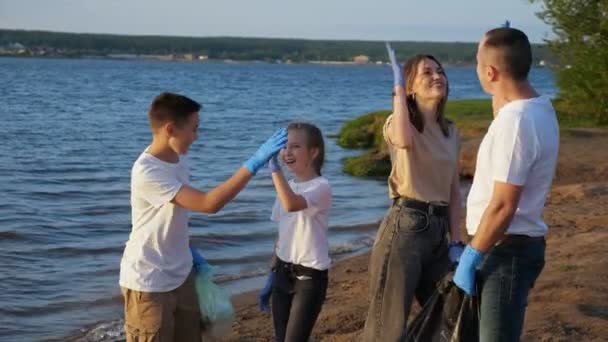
<point x="515" y="49"/>
<point x="170" y="107"/>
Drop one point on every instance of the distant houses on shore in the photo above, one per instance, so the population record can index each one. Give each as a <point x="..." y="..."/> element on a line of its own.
<point x="168" y="57"/>
<point x="20" y="50"/>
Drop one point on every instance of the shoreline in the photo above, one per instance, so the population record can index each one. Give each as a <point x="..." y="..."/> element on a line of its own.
<point x="339" y="253"/>
<point x="227" y="61"/>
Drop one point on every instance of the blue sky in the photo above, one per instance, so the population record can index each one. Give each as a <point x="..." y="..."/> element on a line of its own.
<point x="431" y="20"/>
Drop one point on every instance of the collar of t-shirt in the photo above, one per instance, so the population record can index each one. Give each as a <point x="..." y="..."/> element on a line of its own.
<point x="520" y="102"/>
<point x="155" y="159"/>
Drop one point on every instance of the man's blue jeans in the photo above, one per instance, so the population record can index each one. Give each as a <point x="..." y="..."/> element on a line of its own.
<point x="506" y="277"/>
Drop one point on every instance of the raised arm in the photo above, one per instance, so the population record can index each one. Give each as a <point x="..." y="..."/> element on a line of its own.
<point x="214" y="200"/>
<point x="399" y="129"/>
<point x="289" y="200"/>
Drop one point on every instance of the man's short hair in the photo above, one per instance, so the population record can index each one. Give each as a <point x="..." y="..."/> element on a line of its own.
<point x="514" y="47"/>
<point x="170" y="107"/>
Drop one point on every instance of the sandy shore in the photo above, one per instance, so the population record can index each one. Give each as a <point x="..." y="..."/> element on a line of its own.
<point x="570" y="299"/>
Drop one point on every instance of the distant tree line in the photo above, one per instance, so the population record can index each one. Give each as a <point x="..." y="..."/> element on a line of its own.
<point x="265" y="49"/>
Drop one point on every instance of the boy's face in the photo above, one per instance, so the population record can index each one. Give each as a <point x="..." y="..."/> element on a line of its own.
<point x="181" y="137"/>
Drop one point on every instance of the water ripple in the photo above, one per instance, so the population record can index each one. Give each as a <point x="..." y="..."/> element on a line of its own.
<point x="72" y="129"/>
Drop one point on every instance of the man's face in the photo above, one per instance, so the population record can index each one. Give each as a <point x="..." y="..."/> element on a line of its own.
<point x="484" y="71"/>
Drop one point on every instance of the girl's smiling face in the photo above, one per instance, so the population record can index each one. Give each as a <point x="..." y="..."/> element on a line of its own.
<point x="297" y="155"/>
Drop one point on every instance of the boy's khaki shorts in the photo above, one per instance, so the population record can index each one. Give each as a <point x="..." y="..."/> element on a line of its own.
<point x="172" y="316"/>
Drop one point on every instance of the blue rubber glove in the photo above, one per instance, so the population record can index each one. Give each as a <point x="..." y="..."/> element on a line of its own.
<point x="464" y="277"/>
<point x="264" y="297"/>
<point x="198" y="261"/>
<point x="455" y="251"/>
<point x="273" y="164"/>
<point x="397" y="68"/>
<point x="275" y="143"/>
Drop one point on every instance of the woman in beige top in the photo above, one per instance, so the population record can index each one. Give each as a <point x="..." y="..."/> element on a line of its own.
<point x="411" y="252"/>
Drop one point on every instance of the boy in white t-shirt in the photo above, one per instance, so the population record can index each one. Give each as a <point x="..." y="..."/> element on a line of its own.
<point x="298" y="281"/>
<point x="156" y="276"/>
<point x="515" y="167"/>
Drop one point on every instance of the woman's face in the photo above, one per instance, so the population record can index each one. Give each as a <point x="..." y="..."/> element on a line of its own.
<point x="430" y="82"/>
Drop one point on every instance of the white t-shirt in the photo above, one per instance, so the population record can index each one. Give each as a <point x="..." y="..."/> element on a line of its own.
<point x="303" y="234"/>
<point x="520" y="148"/>
<point x="157" y="256"/>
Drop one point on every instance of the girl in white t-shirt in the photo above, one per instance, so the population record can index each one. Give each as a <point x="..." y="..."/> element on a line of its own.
<point x="298" y="281"/>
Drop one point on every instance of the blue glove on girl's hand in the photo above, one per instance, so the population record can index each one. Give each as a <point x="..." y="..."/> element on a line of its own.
<point x="397" y="68"/>
<point x="275" y="143"/>
<point x="273" y="164"/>
<point x="198" y="261"/>
<point x="264" y="297"/>
<point x="464" y="277"/>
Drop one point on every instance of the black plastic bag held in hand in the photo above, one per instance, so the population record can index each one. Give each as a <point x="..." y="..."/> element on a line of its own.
<point x="449" y="315"/>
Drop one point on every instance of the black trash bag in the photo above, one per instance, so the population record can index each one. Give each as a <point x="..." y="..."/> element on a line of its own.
<point x="449" y="315"/>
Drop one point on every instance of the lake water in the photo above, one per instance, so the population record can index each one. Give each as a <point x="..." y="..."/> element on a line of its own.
<point x="71" y="130"/>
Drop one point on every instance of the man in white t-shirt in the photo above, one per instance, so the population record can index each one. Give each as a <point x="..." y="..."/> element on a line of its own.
<point x="156" y="275"/>
<point x="515" y="167"/>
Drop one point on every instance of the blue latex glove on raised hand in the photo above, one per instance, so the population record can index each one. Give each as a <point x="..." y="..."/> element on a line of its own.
<point x="273" y="164"/>
<point x="464" y="277"/>
<point x="455" y="251"/>
<point x="264" y="297"/>
<point x="275" y="143"/>
<point x="198" y="261"/>
<point x="397" y="68"/>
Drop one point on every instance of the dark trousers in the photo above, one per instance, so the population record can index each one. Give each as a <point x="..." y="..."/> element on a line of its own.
<point x="409" y="257"/>
<point x="297" y="297"/>
<point x="506" y="276"/>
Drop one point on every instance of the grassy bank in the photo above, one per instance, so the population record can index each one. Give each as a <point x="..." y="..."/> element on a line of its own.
<point x="472" y="117"/>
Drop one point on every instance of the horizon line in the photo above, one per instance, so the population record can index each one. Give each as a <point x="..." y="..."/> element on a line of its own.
<point x="246" y="37"/>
